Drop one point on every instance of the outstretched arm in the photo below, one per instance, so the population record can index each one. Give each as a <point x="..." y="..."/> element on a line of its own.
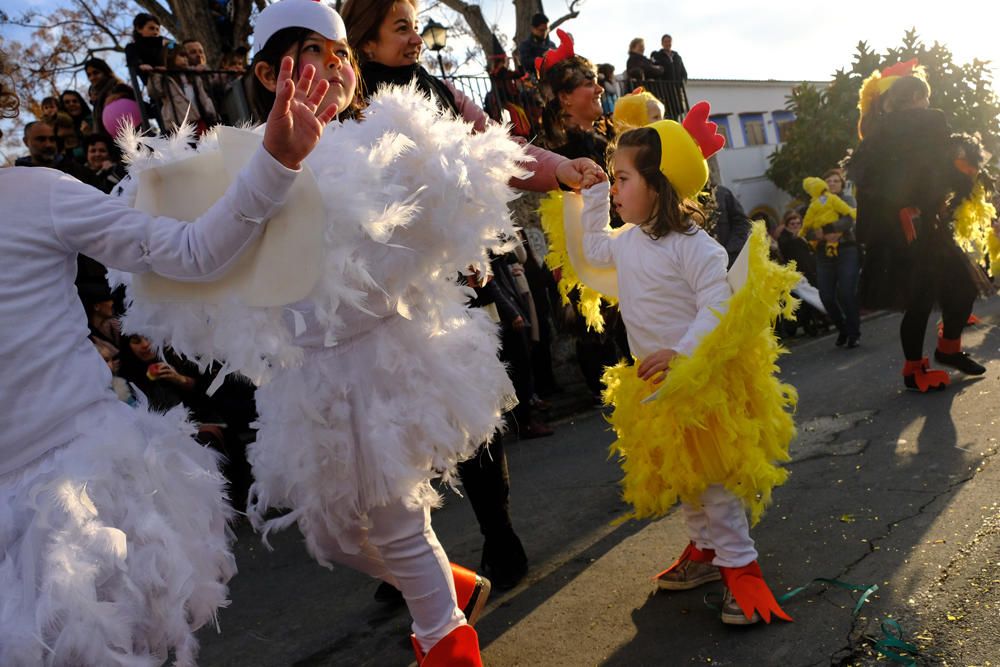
<point x="595" y="218"/>
<point x="118" y="236"/>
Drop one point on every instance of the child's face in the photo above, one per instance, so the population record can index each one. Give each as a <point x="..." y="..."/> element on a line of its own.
<point x="97" y="155"/>
<point x="631" y="195"/>
<point x="332" y="60"/>
<point x="151" y="29"/>
<point x="50" y="108"/>
<point x="180" y="59"/>
<point x="653" y="112"/>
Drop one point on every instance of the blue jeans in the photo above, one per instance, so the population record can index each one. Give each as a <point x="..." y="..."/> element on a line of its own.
<point x="838" y="288"/>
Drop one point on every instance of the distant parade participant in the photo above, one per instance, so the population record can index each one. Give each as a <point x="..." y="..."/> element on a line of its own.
<point x="114" y="545"/>
<point x="917" y="185"/>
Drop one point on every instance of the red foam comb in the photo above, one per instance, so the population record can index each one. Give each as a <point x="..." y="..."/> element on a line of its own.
<point x="901" y="69"/>
<point x="552" y="56"/>
<point x="703" y="131"/>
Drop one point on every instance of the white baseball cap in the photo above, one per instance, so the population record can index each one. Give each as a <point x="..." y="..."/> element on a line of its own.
<point x="315" y="15"/>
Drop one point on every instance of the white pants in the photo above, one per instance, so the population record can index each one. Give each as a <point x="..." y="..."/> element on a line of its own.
<point x="399" y="546"/>
<point x="721" y="524"/>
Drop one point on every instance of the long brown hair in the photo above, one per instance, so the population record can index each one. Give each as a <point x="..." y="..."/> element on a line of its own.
<point x="363" y="18"/>
<point x="563" y="77"/>
<point x="260" y="99"/>
<point x="672" y="214"/>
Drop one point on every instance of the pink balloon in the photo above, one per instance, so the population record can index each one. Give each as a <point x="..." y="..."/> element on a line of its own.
<point x="120" y="111"/>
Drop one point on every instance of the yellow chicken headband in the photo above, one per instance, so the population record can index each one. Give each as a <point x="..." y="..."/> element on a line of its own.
<point x="632" y="110"/>
<point x="878" y="83"/>
<point x="685" y="147"/>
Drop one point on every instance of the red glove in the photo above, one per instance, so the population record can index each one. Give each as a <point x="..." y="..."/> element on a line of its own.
<point x="907" y="216"/>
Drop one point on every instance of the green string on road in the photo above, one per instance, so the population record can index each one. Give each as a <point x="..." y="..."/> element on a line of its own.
<point x="891" y="646"/>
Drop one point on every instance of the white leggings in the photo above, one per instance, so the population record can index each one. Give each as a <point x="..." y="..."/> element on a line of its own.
<point x="721" y="524"/>
<point x="399" y="546"/>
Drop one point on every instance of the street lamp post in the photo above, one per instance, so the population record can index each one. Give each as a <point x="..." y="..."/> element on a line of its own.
<point x="435" y="35"/>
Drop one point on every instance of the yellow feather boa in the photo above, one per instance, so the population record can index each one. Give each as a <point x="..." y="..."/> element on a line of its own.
<point x="551" y="213"/>
<point x="721" y="416"/>
<point x="973" y="228"/>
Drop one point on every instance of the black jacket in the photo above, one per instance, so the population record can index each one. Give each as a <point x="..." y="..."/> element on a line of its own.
<point x="673" y="68"/>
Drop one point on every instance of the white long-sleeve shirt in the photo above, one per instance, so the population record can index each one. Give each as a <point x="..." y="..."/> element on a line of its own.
<point x="668" y="288"/>
<point x="49" y="371"/>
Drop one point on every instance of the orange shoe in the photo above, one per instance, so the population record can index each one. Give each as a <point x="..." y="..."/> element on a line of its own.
<point x="459" y="648"/>
<point x="754" y="600"/>
<point x="471" y="592"/>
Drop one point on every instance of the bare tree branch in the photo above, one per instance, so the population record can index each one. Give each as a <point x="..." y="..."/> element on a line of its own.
<point x="568" y="16"/>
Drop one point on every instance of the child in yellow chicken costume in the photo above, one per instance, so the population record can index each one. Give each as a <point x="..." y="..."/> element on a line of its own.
<point x="701" y="418"/>
<point x="825" y="208"/>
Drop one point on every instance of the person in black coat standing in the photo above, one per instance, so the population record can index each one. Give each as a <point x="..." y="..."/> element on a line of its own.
<point x="670" y="61"/>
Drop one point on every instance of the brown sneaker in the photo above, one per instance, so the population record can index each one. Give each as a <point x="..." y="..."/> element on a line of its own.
<point x="689" y="574"/>
<point x="732" y="614"/>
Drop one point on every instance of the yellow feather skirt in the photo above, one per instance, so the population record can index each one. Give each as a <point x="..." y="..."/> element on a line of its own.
<point x="721" y="416"/>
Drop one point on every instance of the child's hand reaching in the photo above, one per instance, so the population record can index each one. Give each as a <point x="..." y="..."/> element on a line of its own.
<point x="295" y="123"/>
<point x="655" y="366"/>
<point x="580" y="173"/>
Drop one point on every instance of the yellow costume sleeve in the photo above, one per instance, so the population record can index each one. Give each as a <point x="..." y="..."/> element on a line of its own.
<point x="973" y="227"/>
<point x="721" y="416"/>
<point x="562" y="257"/>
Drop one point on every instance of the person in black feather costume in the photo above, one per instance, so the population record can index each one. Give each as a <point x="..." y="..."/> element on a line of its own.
<point x="911" y="172"/>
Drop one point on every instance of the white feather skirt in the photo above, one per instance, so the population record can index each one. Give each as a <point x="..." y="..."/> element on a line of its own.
<point x="371" y="421"/>
<point x="116" y="547"/>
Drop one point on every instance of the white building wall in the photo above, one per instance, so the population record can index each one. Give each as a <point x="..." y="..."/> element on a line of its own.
<point x="741" y="168"/>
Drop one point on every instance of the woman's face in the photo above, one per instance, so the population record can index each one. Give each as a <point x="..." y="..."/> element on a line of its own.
<point x="634" y="200"/>
<point x="835" y="184"/>
<point x="72" y="104"/>
<point x="151" y="29"/>
<point x="95" y="76"/>
<point x="583" y="103"/>
<point x="179" y="60"/>
<point x="793" y="223"/>
<point x="142" y="348"/>
<point x="398" y="43"/>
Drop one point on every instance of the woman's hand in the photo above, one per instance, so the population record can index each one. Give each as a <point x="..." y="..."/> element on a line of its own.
<point x="655" y="366"/>
<point x="295" y="124"/>
<point x="170" y="374"/>
<point x="579" y="173"/>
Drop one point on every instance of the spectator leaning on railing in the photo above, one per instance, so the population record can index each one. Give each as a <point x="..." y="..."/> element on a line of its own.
<point x="179" y="95"/>
<point x="638" y="66"/>
<point x="670" y="60"/>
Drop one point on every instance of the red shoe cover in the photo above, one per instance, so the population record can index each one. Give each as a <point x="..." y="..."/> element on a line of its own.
<point x="691" y="552"/>
<point x="972" y="321"/>
<point x="949" y="345"/>
<point x="925" y="377"/>
<point x="465" y="584"/>
<point x="751" y="592"/>
<point x="459" y="648"/>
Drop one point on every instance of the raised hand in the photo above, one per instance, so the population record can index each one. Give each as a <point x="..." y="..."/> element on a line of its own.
<point x="296" y="122"/>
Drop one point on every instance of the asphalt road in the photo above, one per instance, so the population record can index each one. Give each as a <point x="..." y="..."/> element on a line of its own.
<point x="888" y="487"/>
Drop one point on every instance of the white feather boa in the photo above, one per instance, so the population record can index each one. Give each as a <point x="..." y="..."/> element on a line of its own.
<point x="407" y="176"/>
